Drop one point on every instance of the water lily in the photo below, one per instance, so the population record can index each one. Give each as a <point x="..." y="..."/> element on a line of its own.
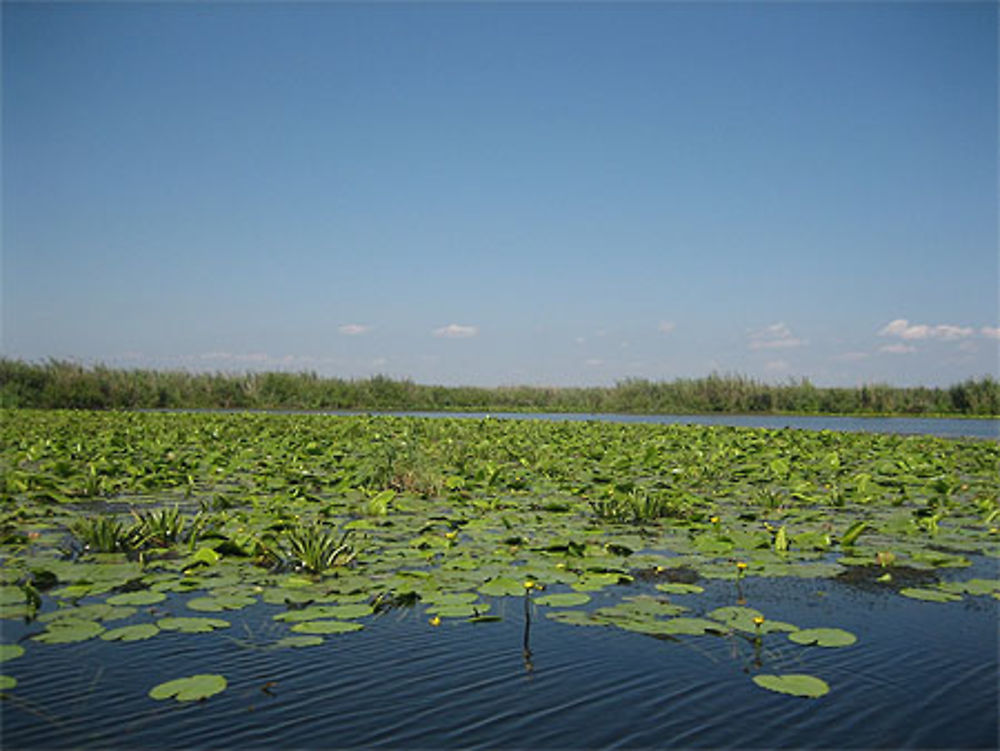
<point x="435" y="621"/>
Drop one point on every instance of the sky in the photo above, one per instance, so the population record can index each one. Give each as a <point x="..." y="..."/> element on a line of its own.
<point x="504" y="193"/>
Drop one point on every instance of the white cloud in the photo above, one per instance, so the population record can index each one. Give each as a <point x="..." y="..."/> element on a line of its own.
<point x="775" y="336"/>
<point x="353" y="329"/>
<point x="456" y="331"/>
<point x="990" y="332"/>
<point x="776" y="366"/>
<point x="898" y="349"/>
<point x="902" y="328"/>
<point x="666" y="326"/>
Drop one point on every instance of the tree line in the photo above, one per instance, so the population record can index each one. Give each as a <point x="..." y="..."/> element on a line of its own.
<point x="60" y="384"/>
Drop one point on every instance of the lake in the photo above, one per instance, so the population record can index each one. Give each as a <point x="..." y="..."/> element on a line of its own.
<point x="518" y="584"/>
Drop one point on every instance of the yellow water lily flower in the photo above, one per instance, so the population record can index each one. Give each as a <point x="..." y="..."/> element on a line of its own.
<point x="714" y="520"/>
<point x="528" y="584"/>
<point x="741" y="565"/>
<point x="435" y="621"/>
<point x="758" y="620"/>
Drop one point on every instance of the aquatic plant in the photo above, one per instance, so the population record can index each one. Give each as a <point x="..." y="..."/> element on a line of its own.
<point x="316" y="548"/>
<point x="103" y="534"/>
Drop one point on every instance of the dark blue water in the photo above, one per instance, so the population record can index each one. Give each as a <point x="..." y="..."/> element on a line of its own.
<point x="922" y="675"/>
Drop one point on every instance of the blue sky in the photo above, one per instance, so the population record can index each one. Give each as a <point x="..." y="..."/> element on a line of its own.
<point x="493" y="193"/>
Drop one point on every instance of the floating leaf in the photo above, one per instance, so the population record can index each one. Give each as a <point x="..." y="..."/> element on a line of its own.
<point x="192" y="625"/>
<point x="145" y="597"/>
<point x="502" y="586"/>
<point x="564" y="599"/>
<point x="10" y="652"/>
<point x="823" y="637"/>
<point x="7" y="681"/>
<point x="575" y="618"/>
<point x="136" y="632"/>
<point x="692" y="626"/>
<point x="300" y="641"/>
<point x="796" y="684"/>
<point x="219" y="603"/>
<point x="679" y="588"/>
<point x="930" y="595"/>
<point x="326" y="627"/>
<point x="69" y="631"/>
<point x="189" y="689"/>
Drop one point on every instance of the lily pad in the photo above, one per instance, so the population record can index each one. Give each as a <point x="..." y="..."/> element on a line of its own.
<point x="192" y="625"/>
<point x="300" y="641"/>
<point x="692" y="626"/>
<point x="192" y="688"/>
<point x="69" y="631"/>
<point x="220" y="603"/>
<point x="326" y="627"/>
<point x="10" y="652"/>
<point x="823" y="637"/>
<point x="563" y="599"/>
<point x="7" y="681"/>
<point x="575" y="618"/>
<point x="930" y="595"/>
<point x="796" y="684"/>
<point x="145" y="597"/>
<point x="679" y="588"/>
<point x="136" y="632"/>
<point x="502" y="586"/>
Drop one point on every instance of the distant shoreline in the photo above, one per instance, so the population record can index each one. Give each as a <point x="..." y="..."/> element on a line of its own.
<point x="58" y="384"/>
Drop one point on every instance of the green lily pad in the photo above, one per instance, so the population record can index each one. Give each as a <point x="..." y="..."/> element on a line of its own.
<point x="823" y="637"/>
<point x="7" y="681"/>
<point x="930" y="595"/>
<point x="502" y="586"/>
<point x="575" y="618"/>
<point x="692" y="626"/>
<point x="315" y="612"/>
<point x="69" y="631"/>
<point x="219" y="603"/>
<point x="136" y="632"/>
<point x="144" y="597"/>
<point x="192" y="625"/>
<point x="300" y="641"/>
<point x="679" y="588"/>
<point x="326" y="627"/>
<point x="563" y="599"/>
<point x="192" y="688"/>
<point x="796" y="684"/>
<point x="11" y="595"/>
<point x="10" y="652"/>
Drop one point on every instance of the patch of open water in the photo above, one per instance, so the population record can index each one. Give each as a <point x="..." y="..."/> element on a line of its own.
<point x="922" y="675"/>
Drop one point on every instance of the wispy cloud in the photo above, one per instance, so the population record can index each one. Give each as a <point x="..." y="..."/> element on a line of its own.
<point x="902" y="328"/>
<point x="353" y="329"/>
<point x="666" y="326"/>
<point x="990" y="332"/>
<point x="594" y="363"/>
<point x="898" y="349"/>
<point x="775" y="336"/>
<point x="776" y="366"/>
<point x="456" y="331"/>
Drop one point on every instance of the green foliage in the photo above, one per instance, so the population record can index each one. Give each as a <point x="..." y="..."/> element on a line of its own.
<point x="103" y="534"/>
<point x="317" y="548"/>
<point x="193" y="688"/>
<point x="59" y="384"/>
